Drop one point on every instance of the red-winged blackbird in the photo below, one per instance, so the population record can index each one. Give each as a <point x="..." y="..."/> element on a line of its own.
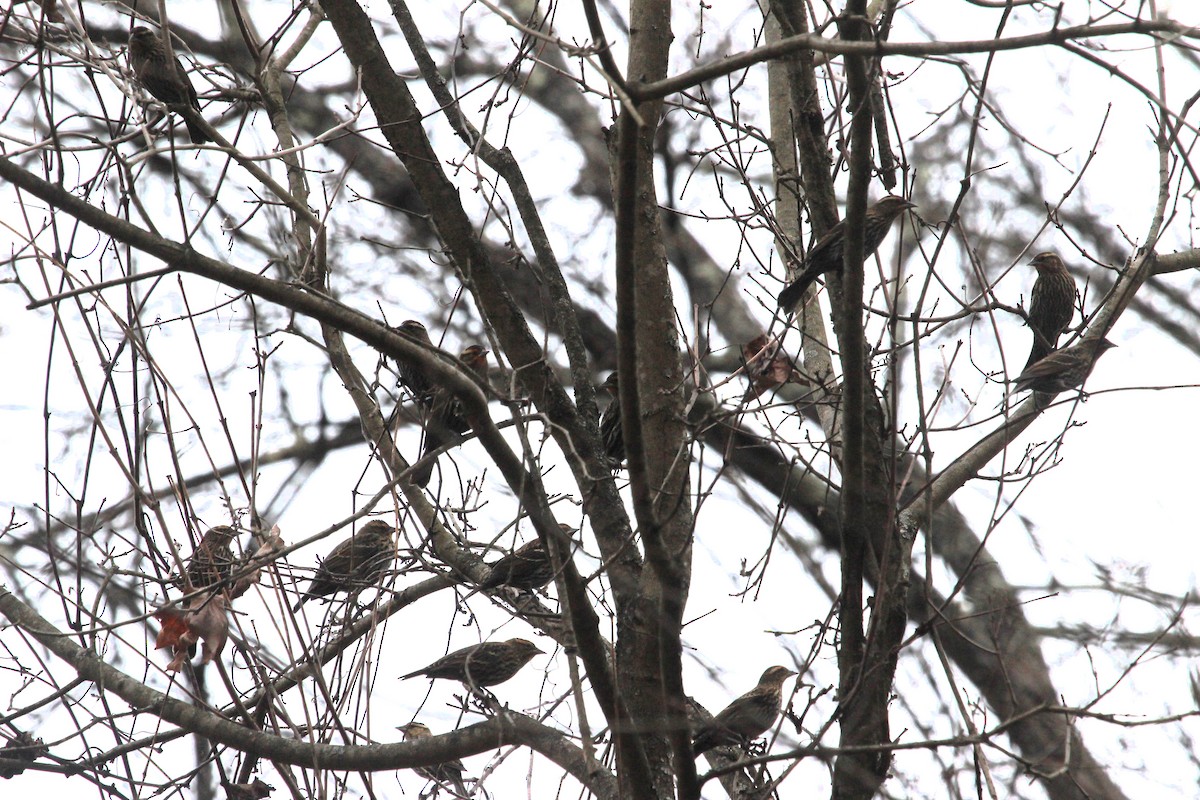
<point x="412" y="376"/>
<point x="447" y="772"/>
<point x="748" y="717"/>
<point x="1051" y="305"/>
<point x="612" y="432"/>
<point x="1063" y="369"/>
<point x="354" y="564"/>
<point x="212" y="561"/>
<point x="826" y="254"/>
<point x="166" y="82"/>
<point x="446" y="420"/>
<point x="528" y="567"/>
<point x="486" y="664"/>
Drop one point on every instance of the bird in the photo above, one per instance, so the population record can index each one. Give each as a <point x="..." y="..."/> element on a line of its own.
<point x="826" y="255"/>
<point x="612" y="433"/>
<point x="445" y="419"/>
<point x="747" y="717"/>
<point x="447" y="772"/>
<point x="355" y="563"/>
<point x="1051" y="305"/>
<point x="1063" y="369"/>
<point x="485" y="664"/>
<point x="528" y="567"/>
<point x="212" y="560"/>
<point x="412" y="376"/>
<point x="165" y="81"/>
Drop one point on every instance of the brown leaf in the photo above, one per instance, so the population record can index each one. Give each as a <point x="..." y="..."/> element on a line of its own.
<point x="204" y="621"/>
<point x="767" y="366"/>
<point x="173" y="627"/>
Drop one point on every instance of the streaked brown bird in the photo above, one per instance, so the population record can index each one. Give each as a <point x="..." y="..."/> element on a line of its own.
<point x="612" y="432"/>
<point x="826" y="255"/>
<point x="527" y="568"/>
<point x="1051" y="305"/>
<point x="447" y="772"/>
<point x="485" y="664"/>
<point x="165" y="81"/>
<point x="747" y="717"/>
<point x="412" y="376"/>
<point x="446" y="421"/>
<point x="1063" y="369"/>
<point x="355" y="564"/>
<point x="212" y="561"/>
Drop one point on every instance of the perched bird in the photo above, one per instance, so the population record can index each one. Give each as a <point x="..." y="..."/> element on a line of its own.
<point x="355" y="563"/>
<point x="826" y="254"/>
<point x="748" y="717"/>
<point x="527" y="568"/>
<point x="412" y="376"/>
<point x="486" y="664"/>
<point x="1051" y="305"/>
<point x="1063" y="369"/>
<point x="447" y="772"/>
<point x="612" y="433"/>
<point x="446" y="420"/>
<point x="212" y="561"/>
<point x="165" y="81"/>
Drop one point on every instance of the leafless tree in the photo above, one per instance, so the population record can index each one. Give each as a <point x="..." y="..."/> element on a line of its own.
<point x="217" y="337"/>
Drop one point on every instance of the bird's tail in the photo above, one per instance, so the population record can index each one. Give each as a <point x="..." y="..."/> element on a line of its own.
<point x="790" y="297"/>
<point x="198" y="136"/>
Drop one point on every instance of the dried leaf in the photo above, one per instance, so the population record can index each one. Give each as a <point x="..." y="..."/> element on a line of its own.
<point x="204" y="621"/>
<point x="173" y="627"/>
<point x="767" y="366"/>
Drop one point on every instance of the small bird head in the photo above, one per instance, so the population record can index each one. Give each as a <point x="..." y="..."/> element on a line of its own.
<point x="1047" y="261"/>
<point x="143" y="34"/>
<point x="775" y="676"/>
<point x="415" y="730"/>
<point x="415" y="329"/>
<point x="377" y="527"/>
<point x="1102" y="345"/>
<point x="893" y="205"/>
<point x="475" y="357"/>
<point x="524" y="648"/>
<point x="610" y="383"/>
<point x="222" y="534"/>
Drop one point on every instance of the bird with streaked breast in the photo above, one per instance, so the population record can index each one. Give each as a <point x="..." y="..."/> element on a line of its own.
<point x="826" y="255"/>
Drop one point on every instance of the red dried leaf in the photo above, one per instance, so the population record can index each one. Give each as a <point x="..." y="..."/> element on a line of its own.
<point x="184" y="627"/>
<point x="173" y="627"/>
<point x="767" y="366"/>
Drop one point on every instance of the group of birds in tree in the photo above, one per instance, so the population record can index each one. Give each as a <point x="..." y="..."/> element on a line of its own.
<point x="1051" y="308"/>
<point x="362" y="560"/>
<point x="441" y="412"/>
